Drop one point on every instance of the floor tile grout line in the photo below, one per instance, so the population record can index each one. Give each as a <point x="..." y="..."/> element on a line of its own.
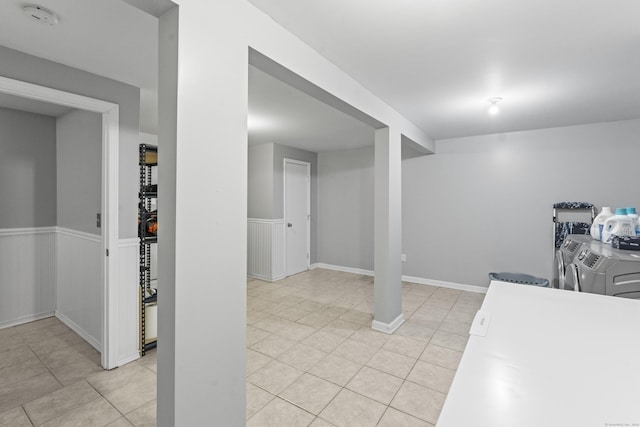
<point x="27" y="414"/>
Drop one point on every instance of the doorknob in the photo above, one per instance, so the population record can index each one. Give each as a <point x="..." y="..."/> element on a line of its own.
<point x="289" y="225"/>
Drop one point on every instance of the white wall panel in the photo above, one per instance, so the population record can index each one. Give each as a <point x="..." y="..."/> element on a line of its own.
<point x="265" y="247"/>
<point x="79" y="283"/>
<point x="27" y="274"/>
<point x="128" y="302"/>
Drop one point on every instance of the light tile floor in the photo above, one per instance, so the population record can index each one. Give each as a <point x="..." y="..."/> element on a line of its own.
<point x="49" y="376"/>
<point x="312" y="360"/>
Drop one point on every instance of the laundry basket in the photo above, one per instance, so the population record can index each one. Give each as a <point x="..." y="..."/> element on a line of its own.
<point x="522" y="279"/>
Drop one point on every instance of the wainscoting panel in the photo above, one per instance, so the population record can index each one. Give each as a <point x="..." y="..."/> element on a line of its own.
<point x="265" y="246"/>
<point x="27" y="274"/>
<point x="79" y="283"/>
<point x="128" y="302"/>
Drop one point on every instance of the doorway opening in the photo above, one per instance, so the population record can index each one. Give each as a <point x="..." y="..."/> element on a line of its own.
<point x="108" y="241"/>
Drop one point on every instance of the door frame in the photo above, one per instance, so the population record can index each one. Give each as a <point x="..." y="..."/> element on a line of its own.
<point x="284" y="208"/>
<point x="109" y="205"/>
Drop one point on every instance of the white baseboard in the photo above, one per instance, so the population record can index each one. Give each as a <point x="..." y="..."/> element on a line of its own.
<point x="442" y="284"/>
<point x="341" y="268"/>
<point x="64" y="319"/>
<point x="388" y="328"/>
<point x="411" y="279"/>
<point x="25" y="319"/>
<point x="265" y="278"/>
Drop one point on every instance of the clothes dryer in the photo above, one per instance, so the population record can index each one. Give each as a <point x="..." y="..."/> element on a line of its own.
<point x="600" y="269"/>
<point x="571" y="246"/>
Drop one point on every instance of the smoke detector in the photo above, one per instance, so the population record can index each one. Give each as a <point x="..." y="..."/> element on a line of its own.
<point x="40" y="14"/>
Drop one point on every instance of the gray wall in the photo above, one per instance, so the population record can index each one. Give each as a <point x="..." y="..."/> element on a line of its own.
<point x="27" y="169"/>
<point x="79" y="154"/>
<point x="345" y="208"/>
<point x="20" y="66"/>
<point x="484" y="203"/>
<point x="480" y="204"/>
<point x="260" y="182"/>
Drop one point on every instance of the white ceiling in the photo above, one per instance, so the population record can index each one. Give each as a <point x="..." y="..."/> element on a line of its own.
<point x="555" y="63"/>
<point x="110" y="38"/>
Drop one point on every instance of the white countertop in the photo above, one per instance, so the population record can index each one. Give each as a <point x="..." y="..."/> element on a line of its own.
<point x="549" y="358"/>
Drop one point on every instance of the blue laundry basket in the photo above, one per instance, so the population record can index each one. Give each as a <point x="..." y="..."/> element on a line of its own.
<point x="522" y="279"/>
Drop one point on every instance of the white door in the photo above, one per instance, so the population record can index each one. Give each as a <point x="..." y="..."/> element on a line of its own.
<point x="296" y="215"/>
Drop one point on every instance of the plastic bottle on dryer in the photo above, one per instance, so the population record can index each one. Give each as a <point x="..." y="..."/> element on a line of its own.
<point x="598" y="222"/>
<point x="631" y="212"/>
<point x="620" y="224"/>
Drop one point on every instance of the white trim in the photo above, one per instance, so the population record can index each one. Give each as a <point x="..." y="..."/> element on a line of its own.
<point x="266" y="221"/>
<point x="410" y="279"/>
<point x="284" y="208"/>
<point x="80" y="234"/>
<point x="341" y="268"/>
<point x="110" y="192"/>
<point x="388" y="328"/>
<point x="29" y="231"/>
<point x="442" y="284"/>
<point x="26" y="319"/>
<point x="267" y="279"/>
<point x="78" y="330"/>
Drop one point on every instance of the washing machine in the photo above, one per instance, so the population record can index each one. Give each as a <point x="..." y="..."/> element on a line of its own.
<point x="601" y="269"/>
<point x="564" y="256"/>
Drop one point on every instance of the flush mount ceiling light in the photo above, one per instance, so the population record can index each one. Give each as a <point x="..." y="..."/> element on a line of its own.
<point x="40" y="14"/>
<point x="493" y="108"/>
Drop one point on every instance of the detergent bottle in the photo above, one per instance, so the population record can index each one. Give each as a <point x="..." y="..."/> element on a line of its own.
<point x="620" y="224"/>
<point x="631" y="212"/>
<point x="598" y="222"/>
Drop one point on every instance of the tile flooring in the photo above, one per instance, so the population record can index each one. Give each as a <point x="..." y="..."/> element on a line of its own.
<point x="49" y="376"/>
<point x="312" y="360"/>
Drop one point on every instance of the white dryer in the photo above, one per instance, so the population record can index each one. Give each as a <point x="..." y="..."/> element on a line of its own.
<point x="564" y="256"/>
<point x="601" y="269"/>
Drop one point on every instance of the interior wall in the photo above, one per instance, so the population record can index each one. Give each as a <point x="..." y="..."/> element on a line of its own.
<point x="27" y="216"/>
<point x="79" y="177"/>
<point x="21" y="66"/>
<point x="481" y="204"/>
<point x="345" y="208"/>
<point x="27" y="169"/>
<point x="260" y="182"/>
<point x="484" y="203"/>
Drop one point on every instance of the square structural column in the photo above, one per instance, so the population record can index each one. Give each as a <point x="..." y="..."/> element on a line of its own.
<point x="387" y="316"/>
<point x="202" y="147"/>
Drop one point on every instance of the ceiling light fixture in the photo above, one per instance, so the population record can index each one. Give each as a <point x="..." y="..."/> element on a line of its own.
<point x="40" y="14"/>
<point x="493" y="108"/>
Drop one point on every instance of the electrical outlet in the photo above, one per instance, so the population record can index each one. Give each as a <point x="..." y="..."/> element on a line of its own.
<point x="403" y="257"/>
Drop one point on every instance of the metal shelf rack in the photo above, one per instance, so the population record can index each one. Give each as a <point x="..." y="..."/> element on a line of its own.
<point x="147" y="228"/>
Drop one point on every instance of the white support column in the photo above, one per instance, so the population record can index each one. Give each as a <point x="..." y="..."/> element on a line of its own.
<point x="388" y="231"/>
<point x="202" y="211"/>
